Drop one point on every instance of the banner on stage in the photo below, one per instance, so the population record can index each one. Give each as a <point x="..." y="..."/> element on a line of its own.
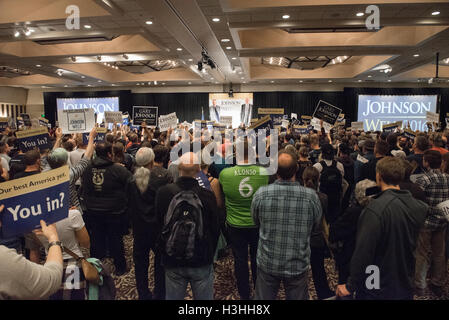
<point x="239" y="107"/>
<point x="28" y="200"/>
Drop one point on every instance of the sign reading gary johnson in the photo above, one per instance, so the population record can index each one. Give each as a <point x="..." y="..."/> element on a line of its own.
<point x="28" y="200"/>
<point x="147" y="114"/>
<point x="375" y="111"/>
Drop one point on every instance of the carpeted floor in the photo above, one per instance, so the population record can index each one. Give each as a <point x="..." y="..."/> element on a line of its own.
<point x="225" y="283"/>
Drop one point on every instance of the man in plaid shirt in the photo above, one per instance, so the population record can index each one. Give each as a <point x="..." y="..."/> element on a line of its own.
<point x="286" y="213"/>
<point x="432" y="236"/>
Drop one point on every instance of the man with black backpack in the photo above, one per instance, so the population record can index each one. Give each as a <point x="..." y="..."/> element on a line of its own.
<point x="189" y="218"/>
<point x="331" y="180"/>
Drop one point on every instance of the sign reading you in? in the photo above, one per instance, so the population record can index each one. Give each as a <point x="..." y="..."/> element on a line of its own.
<point x="145" y="114"/>
<point x="34" y="138"/>
<point x="28" y="200"/>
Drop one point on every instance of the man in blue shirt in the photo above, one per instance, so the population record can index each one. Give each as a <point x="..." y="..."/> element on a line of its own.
<point x="286" y="213"/>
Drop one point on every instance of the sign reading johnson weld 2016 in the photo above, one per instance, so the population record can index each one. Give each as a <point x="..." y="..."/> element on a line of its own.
<point x="28" y="200"/>
<point x="34" y="138"/>
<point x="145" y="114"/>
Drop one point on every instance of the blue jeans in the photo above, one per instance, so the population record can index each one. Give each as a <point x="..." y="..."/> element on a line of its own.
<point x="201" y="280"/>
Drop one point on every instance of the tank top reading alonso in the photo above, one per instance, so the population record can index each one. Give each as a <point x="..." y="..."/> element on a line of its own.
<point x="239" y="184"/>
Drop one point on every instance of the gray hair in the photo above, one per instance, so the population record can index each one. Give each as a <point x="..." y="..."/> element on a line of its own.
<point x="144" y="157"/>
<point x="58" y="158"/>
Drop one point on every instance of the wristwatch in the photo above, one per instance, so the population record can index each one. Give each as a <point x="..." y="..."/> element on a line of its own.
<point x="55" y="243"/>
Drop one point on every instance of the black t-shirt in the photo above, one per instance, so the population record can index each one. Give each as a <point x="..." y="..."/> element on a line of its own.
<point x="418" y="159"/>
<point x="16" y="165"/>
<point x="25" y="174"/>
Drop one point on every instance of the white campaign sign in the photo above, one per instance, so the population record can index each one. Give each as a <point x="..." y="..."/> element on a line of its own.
<point x="113" y="116"/>
<point x="432" y="117"/>
<point x="168" y="121"/>
<point x="76" y="121"/>
<point x="357" y="125"/>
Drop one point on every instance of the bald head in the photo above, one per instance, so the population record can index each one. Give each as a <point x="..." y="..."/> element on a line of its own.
<point x="287" y="165"/>
<point x="189" y="165"/>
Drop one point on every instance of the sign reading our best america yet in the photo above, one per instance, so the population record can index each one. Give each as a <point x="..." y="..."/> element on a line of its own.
<point x="28" y="200"/>
<point x="34" y="138"/>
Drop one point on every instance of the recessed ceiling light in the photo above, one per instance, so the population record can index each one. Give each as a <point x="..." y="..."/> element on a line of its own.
<point x="163" y="83"/>
<point x="330" y="80"/>
<point x="216" y="82"/>
<point x="435" y="13"/>
<point x="27" y="32"/>
<point x="360" y="80"/>
<point x="83" y="77"/>
<point x="300" y="81"/>
<point x="242" y="78"/>
<point x="360" y="14"/>
<point x="87" y="26"/>
<point x="244" y="82"/>
<point x="229" y="48"/>
<point x="389" y="80"/>
<point x="149" y="22"/>
<point x="99" y="80"/>
<point x="285" y="16"/>
<point x="369" y="76"/>
<point x="416" y="55"/>
<point x="272" y="81"/>
<point x="38" y="65"/>
<point x="179" y="49"/>
<point x="16" y="34"/>
<point x="65" y="86"/>
<point x="234" y="58"/>
<point x="225" y="40"/>
<point x="89" y="85"/>
<point x="216" y="19"/>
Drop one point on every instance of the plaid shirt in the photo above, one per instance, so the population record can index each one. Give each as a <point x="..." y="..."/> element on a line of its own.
<point x="436" y="186"/>
<point x="285" y="212"/>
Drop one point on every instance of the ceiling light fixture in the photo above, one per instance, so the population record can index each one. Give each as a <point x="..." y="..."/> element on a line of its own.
<point x="27" y="32"/>
<point x="416" y="55"/>
<point x="360" y="14"/>
<point x="435" y="13"/>
<point x="38" y="65"/>
<point x="149" y="22"/>
<point x="225" y="40"/>
<point x="125" y="56"/>
<point x="73" y="59"/>
<point x="234" y="58"/>
<point x="83" y="77"/>
<point x="87" y="26"/>
<point x="99" y="58"/>
<point x="216" y="19"/>
<point x="285" y="16"/>
<point x="16" y="34"/>
<point x="179" y="49"/>
<point x="330" y="80"/>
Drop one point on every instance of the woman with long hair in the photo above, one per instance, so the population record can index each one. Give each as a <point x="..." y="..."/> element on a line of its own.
<point x="318" y="246"/>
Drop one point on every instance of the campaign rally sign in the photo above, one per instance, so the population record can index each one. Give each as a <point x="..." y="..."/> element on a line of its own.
<point x="293" y="116"/>
<point x="125" y="119"/>
<point x="276" y="114"/>
<point x="20" y="123"/>
<point x="297" y="129"/>
<point x="145" y="114"/>
<point x="26" y="119"/>
<point x="390" y="127"/>
<point x="34" y="138"/>
<point x="409" y="134"/>
<point x="168" y="121"/>
<point x="432" y="117"/>
<point x="113" y="116"/>
<point x="306" y="119"/>
<point x="76" y="121"/>
<point x="358" y="125"/>
<point x="326" y="112"/>
<point x="44" y="122"/>
<point x="4" y="123"/>
<point x="200" y="124"/>
<point x="265" y="123"/>
<point x="101" y="133"/>
<point x="28" y="200"/>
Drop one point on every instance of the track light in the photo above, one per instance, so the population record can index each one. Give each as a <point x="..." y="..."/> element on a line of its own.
<point x="16" y="34"/>
<point x="27" y="32"/>
<point x="99" y="58"/>
<point x="200" y="66"/>
<point x="73" y="59"/>
<point x="125" y="56"/>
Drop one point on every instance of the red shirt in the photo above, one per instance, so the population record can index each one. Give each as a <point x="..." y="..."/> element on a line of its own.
<point x="440" y="150"/>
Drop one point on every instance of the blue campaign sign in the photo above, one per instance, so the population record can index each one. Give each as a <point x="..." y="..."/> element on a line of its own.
<point x="4" y="123"/>
<point x="101" y="133"/>
<point x="301" y="129"/>
<point x="28" y="200"/>
<point x="34" y="138"/>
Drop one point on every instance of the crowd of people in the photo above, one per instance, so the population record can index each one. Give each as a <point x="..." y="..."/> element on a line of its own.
<point x="376" y="203"/>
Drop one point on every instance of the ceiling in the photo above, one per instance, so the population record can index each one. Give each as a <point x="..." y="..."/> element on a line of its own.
<point x="159" y="42"/>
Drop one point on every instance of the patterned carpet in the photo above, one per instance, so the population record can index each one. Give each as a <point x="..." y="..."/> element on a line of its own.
<point x="225" y="283"/>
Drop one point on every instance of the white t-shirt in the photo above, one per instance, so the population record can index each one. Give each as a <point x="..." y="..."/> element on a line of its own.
<point x="75" y="156"/>
<point x="5" y="164"/>
<point x="66" y="231"/>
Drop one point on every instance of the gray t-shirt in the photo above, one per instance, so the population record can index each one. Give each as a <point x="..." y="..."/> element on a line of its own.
<point x="66" y="231"/>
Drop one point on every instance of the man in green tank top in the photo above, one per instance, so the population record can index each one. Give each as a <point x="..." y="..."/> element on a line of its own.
<point x="239" y="184"/>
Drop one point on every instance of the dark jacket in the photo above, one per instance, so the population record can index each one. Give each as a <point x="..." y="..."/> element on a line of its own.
<point x="132" y="149"/>
<point x="317" y="237"/>
<point x="387" y="233"/>
<point x="211" y="218"/>
<point x="142" y="208"/>
<point x="104" y="187"/>
<point x="414" y="189"/>
<point x="369" y="170"/>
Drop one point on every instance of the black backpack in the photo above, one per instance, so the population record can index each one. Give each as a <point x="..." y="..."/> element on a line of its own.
<point x="183" y="232"/>
<point x="331" y="184"/>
